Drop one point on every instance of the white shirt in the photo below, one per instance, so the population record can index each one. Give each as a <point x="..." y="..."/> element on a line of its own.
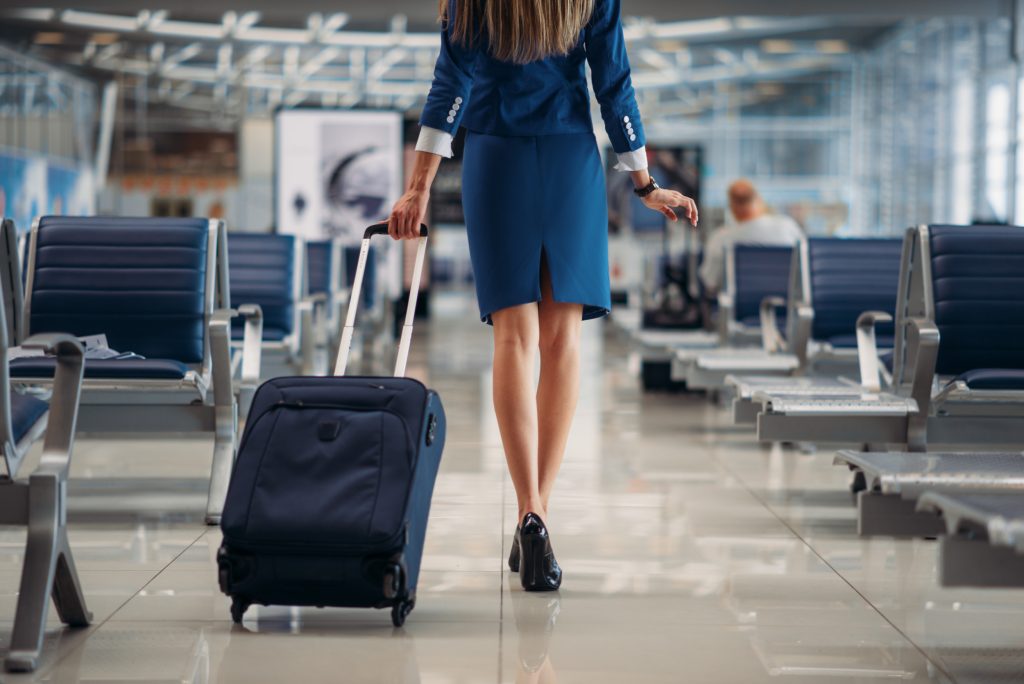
<point x="770" y="229"/>
<point x="436" y="141"/>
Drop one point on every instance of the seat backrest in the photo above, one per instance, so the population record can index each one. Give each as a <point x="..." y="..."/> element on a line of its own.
<point x="755" y="272"/>
<point x="262" y="270"/>
<point x="846" y="277"/>
<point x="146" y="283"/>
<point x="975" y="295"/>
<point x="319" y="258"/>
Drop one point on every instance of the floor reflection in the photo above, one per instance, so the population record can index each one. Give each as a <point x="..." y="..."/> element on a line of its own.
<point x="535" y="615"/>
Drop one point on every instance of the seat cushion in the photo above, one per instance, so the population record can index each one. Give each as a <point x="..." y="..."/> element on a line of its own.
<point x="25" y="412"/>
<point x="270" y="334"/>
<point x="850" y="341"/>
<point x="122" y="369"/>
<point x="994" y="379"/>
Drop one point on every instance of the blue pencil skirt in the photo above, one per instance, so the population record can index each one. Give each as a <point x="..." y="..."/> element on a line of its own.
<point x="532" y="198"/>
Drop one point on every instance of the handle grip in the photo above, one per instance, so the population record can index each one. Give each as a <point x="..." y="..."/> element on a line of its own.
<point x="382" y="229"/>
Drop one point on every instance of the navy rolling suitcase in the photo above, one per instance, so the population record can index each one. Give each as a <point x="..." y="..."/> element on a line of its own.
<point x="330" y="493"/>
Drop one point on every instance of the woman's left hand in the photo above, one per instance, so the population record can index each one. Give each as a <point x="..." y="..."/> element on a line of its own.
<point x="407" y="215"/>
<point x="662" y="200"/>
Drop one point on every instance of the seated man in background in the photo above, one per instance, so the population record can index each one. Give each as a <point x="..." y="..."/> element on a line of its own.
<point x="754" y="225"/>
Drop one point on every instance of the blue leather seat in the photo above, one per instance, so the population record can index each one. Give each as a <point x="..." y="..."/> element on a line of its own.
<point x="262" y="271"/>
<point x="847" y="278"/>
<point x="760" y="272"/>
<point x="978" y="291"/>
<point x="123" y="369"/>
<point x="141" y="282"/>
<point x="25" y="412"/>
<point x="994" y="379"/>
<point x="318" y="266"/>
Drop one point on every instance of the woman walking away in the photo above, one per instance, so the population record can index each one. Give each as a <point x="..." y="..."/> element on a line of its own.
<point x="513" y="73"/>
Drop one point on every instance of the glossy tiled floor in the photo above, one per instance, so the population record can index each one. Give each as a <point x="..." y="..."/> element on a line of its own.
<point x="690" y="555"/>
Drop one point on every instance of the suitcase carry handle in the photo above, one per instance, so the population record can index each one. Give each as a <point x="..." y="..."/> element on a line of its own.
<point x="382" y="229"/>
<point x="357" y="286"/>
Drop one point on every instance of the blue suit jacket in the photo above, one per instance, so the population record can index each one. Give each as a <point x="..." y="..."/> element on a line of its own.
<point x="550" y="96"/>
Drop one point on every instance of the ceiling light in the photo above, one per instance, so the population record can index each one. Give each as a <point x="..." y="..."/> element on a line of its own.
<point x="112" y="22"/>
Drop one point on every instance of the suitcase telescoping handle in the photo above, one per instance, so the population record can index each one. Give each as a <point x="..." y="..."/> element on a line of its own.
<point x="357" y="286"/>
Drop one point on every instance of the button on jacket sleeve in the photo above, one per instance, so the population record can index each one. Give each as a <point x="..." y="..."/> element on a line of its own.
<point x="609" y="69"/>
<point x="453" y="81"/>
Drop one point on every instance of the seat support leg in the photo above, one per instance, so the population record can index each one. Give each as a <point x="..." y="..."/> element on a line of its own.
<point x="224" y="451"/>
<point x="893" y="516"/>
<point x="48" y="570"/>
<point x="974" y="562"/>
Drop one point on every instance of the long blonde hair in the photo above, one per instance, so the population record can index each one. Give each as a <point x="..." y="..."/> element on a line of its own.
<point x="519" y="31"/>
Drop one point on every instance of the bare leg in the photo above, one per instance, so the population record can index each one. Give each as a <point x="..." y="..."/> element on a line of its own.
<point x="558" y="391"/>
<point x="515" y="345"/>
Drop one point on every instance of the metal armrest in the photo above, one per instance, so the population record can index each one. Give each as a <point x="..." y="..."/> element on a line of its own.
<point x="67" y="386"/>
<point x="220" y="353"/>
<point x="923" y="348"/>
<point x="771" y="337"/>
<point x="725" y="315"/>
<point x="252" y="343"/>
<point x="801" y="337"/>
<point x="867" y="348"/>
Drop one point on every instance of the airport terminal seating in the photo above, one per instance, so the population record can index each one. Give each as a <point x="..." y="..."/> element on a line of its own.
<point x="325" y="283"/>
<point x="268" y="270"/>
<point x="960" y="285"/>
<point x="38" y="502"/>
<point x="756" y="283"/>
<point x="151" y="286"/>
<point x="765" y="273"/>
<point x="841" y="303"/>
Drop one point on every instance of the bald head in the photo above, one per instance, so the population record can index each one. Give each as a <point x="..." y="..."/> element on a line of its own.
<point x="744" y="201"/>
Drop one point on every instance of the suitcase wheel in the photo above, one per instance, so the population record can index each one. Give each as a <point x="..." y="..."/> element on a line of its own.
<point x="401" y="610"/>
<point x="238" y="608"/>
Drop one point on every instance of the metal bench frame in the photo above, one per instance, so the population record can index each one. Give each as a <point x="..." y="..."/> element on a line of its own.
<point x="39" y="502"/>
<point x="203" y="402"/>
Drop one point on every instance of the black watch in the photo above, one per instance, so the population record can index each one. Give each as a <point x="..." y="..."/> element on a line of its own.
<point x="647" y="189"/>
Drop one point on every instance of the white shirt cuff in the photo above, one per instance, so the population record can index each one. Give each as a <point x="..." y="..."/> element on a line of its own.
<point x="434" y="141"/>
<point x="632" y="161"/>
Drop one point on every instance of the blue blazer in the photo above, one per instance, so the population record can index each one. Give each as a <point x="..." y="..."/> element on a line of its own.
<point x="485" y="95"/>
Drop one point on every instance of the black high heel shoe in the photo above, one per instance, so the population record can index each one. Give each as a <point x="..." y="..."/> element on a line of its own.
<point x="513" y="555"/>
<point x="538" y="569"/>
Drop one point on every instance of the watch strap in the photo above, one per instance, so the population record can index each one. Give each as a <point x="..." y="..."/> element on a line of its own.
<point x="647" y="189"/>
